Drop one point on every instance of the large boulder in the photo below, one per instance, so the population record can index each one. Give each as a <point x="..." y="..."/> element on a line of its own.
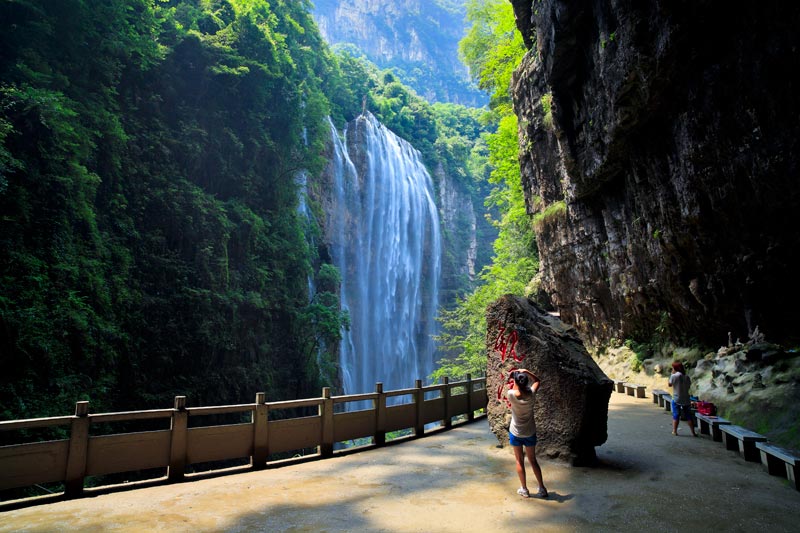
<point x="572" y="402"/>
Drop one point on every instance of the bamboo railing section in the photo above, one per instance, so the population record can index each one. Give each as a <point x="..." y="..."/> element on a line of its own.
<point x="70" y="461"/>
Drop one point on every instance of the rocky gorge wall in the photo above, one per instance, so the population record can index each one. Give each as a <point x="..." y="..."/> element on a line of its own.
<point x="461" y="235"/>
<point x="418" y="38"/>
<point x="659" y="156"/>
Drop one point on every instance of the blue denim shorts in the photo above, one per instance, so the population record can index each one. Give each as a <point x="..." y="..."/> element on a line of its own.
<point x="676" y="411"/>
<point x="522" y="441"/>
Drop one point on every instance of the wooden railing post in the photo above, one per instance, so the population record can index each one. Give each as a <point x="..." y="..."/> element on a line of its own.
<point x="260" y="433"/>
<point x="419" y="399"/>
<point x="78" y="450"/>
<point x="448" y="420"/>
<point x="380" y="416"/>
<point x="179" y="435"/>
<point x="470" y="410"/>
<point x="326" y="415"/>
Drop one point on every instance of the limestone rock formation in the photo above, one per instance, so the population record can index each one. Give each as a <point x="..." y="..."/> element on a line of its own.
<point x="417" y="38"/>
<point x="460" y="231"/>
<point x="659" y="153"/>
<point x="572" y="402"/>
<point x="754" y="384"/>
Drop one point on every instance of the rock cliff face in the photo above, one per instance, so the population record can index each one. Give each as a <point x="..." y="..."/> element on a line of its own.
<point x="460" y="235"/>
<point x="659" y="150"/>
<point x="754" y="384"/>
<point x="419" y="38"/>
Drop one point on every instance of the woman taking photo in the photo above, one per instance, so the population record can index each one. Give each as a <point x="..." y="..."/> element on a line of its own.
<point x="522" y="432"/>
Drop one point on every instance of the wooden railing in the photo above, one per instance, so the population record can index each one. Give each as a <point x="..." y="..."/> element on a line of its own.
<point x="70" y="461"/>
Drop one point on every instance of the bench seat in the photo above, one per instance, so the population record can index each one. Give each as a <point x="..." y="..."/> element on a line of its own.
<point x="780" y="462"/>
<point x="743" y="440"/>
<point x="710" y="424"/>
<point x="619" y="385"/>
<point x="657" y="396"/>
<point x="635" y="390"/>
<point x="666" y="401"/>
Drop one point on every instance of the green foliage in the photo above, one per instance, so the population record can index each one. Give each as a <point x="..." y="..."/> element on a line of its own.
<point x="325" y="322"/>
<point x="513" y="265"/>
<point x="150" y="239"/>
<point x="461" y="144"/>
<point x="611" y="38"/>
<point x="635" y="362"/>
<point x="664" y="326"/>
<point x="400" y="433"/>
<point x="552" y="211"/>
<point x="547" y="109"/>
<point x="641" y="351"/>
<point x="405" y="113"/>
<point x="492" y="49"/>
<point x="450" y="135"/>
<point x="357" y="78"/>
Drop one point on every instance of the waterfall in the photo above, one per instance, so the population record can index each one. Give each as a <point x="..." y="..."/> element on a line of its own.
<point x="301" y="180"/>
<point x="386" y="243"/>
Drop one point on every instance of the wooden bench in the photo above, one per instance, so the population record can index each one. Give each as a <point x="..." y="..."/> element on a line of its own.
<point x="657" y="396"/>
<point x="780" y="462"/>
<point x="710" y="424"/>
<point x="619" y="385"/>
<point x="635" y="390"/>
<point x="743" y="440"/>
<point x="666" y="401"/>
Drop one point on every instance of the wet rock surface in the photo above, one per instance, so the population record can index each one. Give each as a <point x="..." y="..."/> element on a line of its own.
<point x="572" y="402"/>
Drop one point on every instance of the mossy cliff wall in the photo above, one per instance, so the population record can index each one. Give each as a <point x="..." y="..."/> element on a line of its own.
<point x="670" y="130"/>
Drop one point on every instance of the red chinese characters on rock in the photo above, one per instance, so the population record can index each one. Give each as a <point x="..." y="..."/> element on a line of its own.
<point x="501" y="389"/>
<point x="507" y="346"/>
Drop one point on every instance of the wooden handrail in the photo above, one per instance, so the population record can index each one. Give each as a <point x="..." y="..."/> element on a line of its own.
<point x="29" y="423"/>
<point x="400" y="392"/>
<point x="291" y="404"/>
<point x="355" y="397"/>
<point x="220" y="409"/>
<point x="71" y="461"/>
<point x="125" y="416"/>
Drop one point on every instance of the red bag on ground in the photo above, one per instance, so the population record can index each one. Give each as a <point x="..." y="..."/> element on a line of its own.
<point x="706" y="408"/>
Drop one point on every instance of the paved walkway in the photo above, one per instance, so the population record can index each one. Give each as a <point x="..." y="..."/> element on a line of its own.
<point x="459" y="480"/>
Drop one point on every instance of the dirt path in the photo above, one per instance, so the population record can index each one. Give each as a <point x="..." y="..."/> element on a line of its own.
<point x="460" y="481"/>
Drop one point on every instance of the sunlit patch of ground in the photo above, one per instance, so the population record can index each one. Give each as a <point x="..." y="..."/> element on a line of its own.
<point x="460" y="481"/>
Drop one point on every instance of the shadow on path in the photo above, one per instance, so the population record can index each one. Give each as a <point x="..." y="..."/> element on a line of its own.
<point x="460" y="481"/>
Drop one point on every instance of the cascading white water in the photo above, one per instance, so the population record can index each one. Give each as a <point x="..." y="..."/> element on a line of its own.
<point x="387" y="246"/>
<point x="301" y="180"/>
